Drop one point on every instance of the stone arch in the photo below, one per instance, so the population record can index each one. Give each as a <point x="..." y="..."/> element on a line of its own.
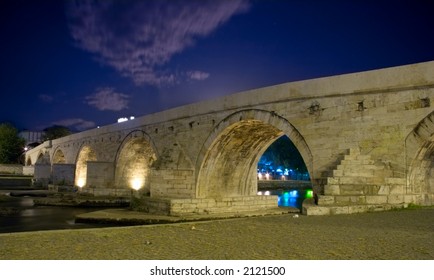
<point x="28" y="162"/>
<point x="59" y="156"/>
<point x="420" y="159"/>
<point x="134" y="160"/>
<point x="228" y="160"/>
<point x="43" y="158"/>
<point x="86" y="154"/>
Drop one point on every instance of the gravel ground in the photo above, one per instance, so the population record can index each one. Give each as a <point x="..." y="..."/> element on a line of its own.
<point x="404" y="234"/>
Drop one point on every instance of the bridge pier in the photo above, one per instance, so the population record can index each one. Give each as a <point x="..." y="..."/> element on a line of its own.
<point x="42" y="174"/>
<point x="63" y="174"/>
<point x="206" y="206"/>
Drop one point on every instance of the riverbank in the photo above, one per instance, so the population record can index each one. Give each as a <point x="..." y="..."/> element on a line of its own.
<point x="404" y="234"/>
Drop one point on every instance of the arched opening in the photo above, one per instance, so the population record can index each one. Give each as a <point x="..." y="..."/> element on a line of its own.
<point x="86" y="154"/>
<point x="283" y="172"/>
<point x="59" y="157"/>
<point x="420" y="151"/>
<point x="29" y="161"/>
<point x="232" y="153"/>
<point x="133" y="164"/>
<point x="43" y="158"/>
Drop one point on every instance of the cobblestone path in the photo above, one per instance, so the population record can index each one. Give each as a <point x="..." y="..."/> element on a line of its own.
<point x="405" y="234"/>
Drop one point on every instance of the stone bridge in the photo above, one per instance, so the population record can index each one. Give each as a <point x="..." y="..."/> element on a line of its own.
<point x="367" y="140"/>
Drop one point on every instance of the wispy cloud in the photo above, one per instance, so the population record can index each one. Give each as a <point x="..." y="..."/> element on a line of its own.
<point x="77" y="123"/>
<point x="138" y="38"/>
<point x="198" y="75"/>
<point x="107" y="99"/>
<point x="46" y="98"/>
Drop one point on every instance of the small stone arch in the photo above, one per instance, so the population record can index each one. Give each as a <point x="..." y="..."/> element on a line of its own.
<point x="85" y="154"/>
<point x="134" y="160"/>
<point x="42" y="158"/>
<point x="59" y="156"/>
<point x="228" y="160"/>
<point x="420" y="159"/>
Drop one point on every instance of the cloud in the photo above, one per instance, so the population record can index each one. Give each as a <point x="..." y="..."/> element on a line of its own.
<point x="107" y="99"/>
<point x="198" y="75"/>
<point x="46" y="98"/>
<point x="77" y="123"/>
<point x="137" y="38"/>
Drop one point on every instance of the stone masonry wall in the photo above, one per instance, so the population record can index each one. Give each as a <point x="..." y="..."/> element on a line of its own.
<point x="371" y="112"/>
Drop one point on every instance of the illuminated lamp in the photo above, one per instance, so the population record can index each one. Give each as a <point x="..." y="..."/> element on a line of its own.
<point x="81" y="182"/>
<point x="137" y="183"/>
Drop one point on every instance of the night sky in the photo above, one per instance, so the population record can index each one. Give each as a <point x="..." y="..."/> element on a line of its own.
<point x="84" y="64"/>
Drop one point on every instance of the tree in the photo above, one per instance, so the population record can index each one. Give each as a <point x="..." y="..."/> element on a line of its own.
<point x="55" y="131"/>
<point x="11" y="145"/>
<point x="283" y="153"/>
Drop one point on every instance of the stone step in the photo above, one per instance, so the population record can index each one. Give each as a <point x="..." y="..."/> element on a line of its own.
<point x="367" y="199"/>
<point x="357" y="158"/>
<point x="351" y="189"/>
<point x="357" y="167"/>
<point x="315" y="210"/>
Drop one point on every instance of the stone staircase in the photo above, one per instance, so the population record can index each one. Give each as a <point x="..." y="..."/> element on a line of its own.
<point x="359" y="184"/>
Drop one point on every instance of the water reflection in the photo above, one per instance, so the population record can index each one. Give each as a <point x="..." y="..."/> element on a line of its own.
<point x="289" y="197"/>
<point x="24" y="216"/>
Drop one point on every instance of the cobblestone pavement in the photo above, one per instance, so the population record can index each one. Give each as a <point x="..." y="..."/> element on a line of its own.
<point x="405" y="234"/>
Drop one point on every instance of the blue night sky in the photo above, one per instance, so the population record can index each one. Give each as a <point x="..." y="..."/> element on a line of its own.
<point x="86" y="63"/>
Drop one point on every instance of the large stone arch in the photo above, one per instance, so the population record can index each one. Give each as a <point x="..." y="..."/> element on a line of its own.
<point x="85" y="154"/>
<point x="228" y="160"/>
<point x="58" y="156"/>
<point x="134" y="159"/>
<point x="420" y="159"/>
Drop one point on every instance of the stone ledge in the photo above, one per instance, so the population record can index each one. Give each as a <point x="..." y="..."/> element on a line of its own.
<point x="311" y="209"/>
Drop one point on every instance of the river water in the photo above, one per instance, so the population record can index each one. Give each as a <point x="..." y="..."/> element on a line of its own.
<point x="24" y="216"/>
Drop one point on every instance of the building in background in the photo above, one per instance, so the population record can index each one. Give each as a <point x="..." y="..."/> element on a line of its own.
<point x="33" y="138"/>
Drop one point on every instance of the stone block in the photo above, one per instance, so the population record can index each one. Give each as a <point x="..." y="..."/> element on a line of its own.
<point x="338" y="173"/>
<point x="332" y="180"/>
<point x="395" y="199"/>
<point x="396" y="181"/>
<point x="313" y="210"/>
<point x="396" y="189"/>
<point x="353" y="190"/>
<point x="326" y="200"/>
<point x="358" y="171"/>
<point x="384" y="190"/>
<point x="376" y="199"/>
<point x="331" y="190"/>
<point x="353" y="180"/>
<point x="354" y="209"/>
<point x="339" y="210"/>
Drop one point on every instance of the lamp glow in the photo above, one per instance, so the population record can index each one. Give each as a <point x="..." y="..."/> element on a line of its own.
<point x="137" y="183"/>
<point x="81" y="182"/>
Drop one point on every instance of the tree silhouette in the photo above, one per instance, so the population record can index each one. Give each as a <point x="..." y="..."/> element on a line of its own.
<point x="11" y="145"/>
